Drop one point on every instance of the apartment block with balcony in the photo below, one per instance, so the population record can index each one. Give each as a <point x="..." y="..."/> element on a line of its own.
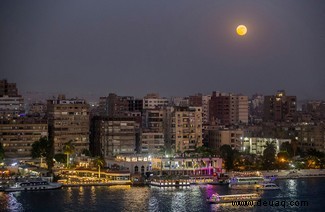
<point x="111" y="136"/>
<point x="152" y="142"/>
<point x="18" y="135"/>
<point x="68" y="120"/>
<point x="228" y="109"/>
<point x="184" y="128"/>
<point x="154" y="120"/>
<point x="11" y="103"/>
<point x="153" y="101"/>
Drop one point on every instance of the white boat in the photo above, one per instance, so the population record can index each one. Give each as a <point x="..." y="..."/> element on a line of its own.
<point x="248" y="180"/>
<point x="33" y="185"/>
<point x="169" y="183"/>
<point x="217" y="199"/>
<point x="268" y="186"/>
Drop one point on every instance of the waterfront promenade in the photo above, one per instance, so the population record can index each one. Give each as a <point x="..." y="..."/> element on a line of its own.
<point x="108" y="180"/>
<point x="297" y="173"/>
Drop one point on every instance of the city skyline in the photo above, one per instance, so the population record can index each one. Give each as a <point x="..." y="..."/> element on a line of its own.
<point x="172" y="48"/>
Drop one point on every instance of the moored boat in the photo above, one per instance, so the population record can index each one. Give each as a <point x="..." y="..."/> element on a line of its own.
<point x="169" y="182"/>
<point x="218" y="199"/>
<point x="33" y="185"/>
<point x="268" y="186"/>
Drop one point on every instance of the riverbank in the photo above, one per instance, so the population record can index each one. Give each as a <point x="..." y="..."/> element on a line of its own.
<point x="95" y="184"/>
<point x="293" y="174"/>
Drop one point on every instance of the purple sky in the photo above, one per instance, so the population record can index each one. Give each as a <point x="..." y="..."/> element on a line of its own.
<point x="173" y="47"/>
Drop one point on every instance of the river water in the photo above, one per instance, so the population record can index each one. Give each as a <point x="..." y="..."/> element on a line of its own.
<point x="294" y="195"/>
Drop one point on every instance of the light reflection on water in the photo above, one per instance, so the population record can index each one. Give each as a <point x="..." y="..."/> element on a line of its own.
<point x="93" y="195"/>
<point x="81" y="198"/>
<point x="126" y="198"/>
<point x="8" y="202"/>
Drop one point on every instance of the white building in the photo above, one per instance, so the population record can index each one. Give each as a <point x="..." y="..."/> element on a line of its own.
<point x="153" y="101"/>
<point x="256" y="145"/>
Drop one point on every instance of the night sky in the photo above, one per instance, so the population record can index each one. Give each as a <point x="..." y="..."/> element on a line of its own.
<point x="173" y="47"/>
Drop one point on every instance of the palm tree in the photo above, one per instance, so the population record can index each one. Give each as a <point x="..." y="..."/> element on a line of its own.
<point x="99" y="162"/>
<point x="68" y="149"/>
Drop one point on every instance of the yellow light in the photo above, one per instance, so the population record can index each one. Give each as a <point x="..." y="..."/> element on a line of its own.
<point x="241" y="30"/>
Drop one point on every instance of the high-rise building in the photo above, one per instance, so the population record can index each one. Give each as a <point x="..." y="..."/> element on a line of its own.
<point x="68" y="120"/>
<point x="18" y="135"/>
<point x="154" y="120"/>
<point x="111" y="136"/>
<point x="152" y="142"/>
<point x="205" y="108"/>
<point x="228" y="109"/>
<point x="135" y="104"/>
<point x="195" y="100"/>
<point x="153" y="101"/>
<point x="216" y="137"/>
<point x="311" y="136"/>
<point x="117" y="105"/>
<point x="179" y="101"/>
<point x="256" y="108"/>
<point x="37" y="109"/>
<point x="279" y="107"/>
<point x="11" y="107"/>
<point x="184" y="128"/>
<point x="11" y="103"/>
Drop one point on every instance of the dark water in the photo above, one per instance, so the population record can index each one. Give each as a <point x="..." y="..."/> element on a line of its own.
<point x="193" y="198"/>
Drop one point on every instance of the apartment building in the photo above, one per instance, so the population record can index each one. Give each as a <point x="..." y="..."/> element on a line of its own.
<point x="153" y="101"/>
<point x="68" y="120"/>
<point x="18" y="135"/>
<point x="279" y="107"/>
<point x="184" y="128"/>
<point x="228" y="109"/>
<point x="111" y="136"/>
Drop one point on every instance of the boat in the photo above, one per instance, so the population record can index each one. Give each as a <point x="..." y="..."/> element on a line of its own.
<point x="33" y="185"/>
<point x="268" y="186"/>
<point x="218" y="199"/>
<point x="248" y="180"/>
<point x="219" y="182"/>
<point x="169" y="182"/>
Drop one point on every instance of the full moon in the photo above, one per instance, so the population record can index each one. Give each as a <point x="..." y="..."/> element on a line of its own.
<point x="241" y="30"/>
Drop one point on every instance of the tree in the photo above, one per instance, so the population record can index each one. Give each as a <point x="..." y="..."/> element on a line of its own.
<point x="283" y="160"/>
<point x="315" y="152"/>
<point x="68" y="149"/>
<point x="99" y="162"/>
<point x="269" y="155"/>
<point x="44" y="148"/>
<point x="227" y="154"/>
<point x="38" y="148"/>
<point x="205" y="151"/>
<point x="2" y="152"/>
<point x="287" y="147"/>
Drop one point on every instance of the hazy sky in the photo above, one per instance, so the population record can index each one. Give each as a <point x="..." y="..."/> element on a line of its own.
<point x="173" y="47"/>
